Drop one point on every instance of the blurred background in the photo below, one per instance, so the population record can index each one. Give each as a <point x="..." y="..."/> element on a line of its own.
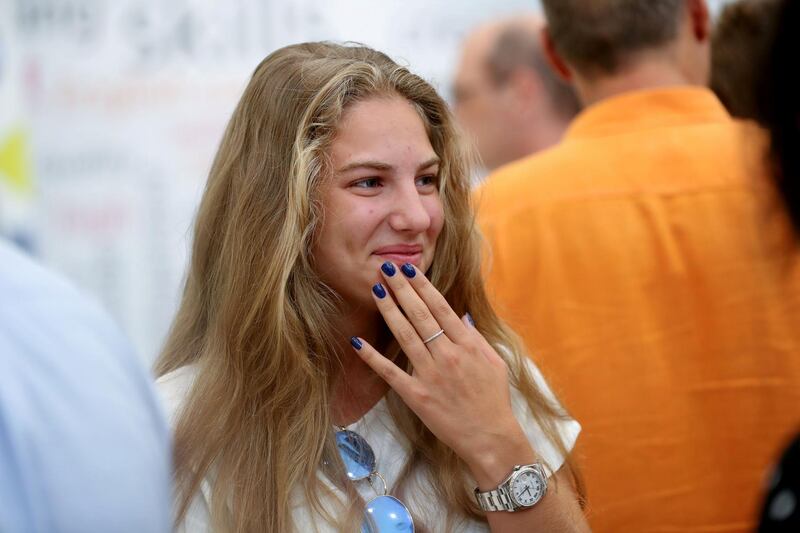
<point x="110" y="114"/>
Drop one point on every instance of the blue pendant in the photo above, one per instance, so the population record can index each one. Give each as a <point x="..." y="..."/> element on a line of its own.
<point x="356" y="453"/>
<point x="387" y="514"/>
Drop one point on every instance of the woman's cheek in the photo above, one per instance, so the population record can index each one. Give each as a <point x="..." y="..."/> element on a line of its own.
<point x="437" y="218"/>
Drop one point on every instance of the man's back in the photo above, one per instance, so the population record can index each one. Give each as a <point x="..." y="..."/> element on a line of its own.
<point x="84" y="446"/>
<point x="652" y="273"/>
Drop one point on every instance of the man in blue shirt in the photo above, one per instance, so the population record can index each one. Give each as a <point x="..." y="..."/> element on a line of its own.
<point x="84" y="446"/>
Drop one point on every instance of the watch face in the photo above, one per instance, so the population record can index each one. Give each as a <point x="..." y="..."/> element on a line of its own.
<point x="527" y="488"/>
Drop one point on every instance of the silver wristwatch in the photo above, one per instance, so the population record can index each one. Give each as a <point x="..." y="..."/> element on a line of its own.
<point x="523" y="488"/>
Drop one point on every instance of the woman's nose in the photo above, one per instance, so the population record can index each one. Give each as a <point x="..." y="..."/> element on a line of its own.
<point x="409" y="212"/>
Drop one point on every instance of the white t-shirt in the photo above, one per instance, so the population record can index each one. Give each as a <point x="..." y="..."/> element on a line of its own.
<point x="391" y="453"/>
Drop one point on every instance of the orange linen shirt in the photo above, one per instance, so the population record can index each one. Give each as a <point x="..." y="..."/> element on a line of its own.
<point x="649" y="266"/>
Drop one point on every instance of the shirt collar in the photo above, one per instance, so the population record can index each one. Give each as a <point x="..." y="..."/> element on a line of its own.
<point x="647" y="109"/>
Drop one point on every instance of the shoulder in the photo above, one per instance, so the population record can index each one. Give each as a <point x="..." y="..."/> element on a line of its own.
<point x="26" y="283"/>
<point x="750" y="142"/>
<point x="173" y="389"/>
<point x="525" y="183"/>
<point x="46" y="323"/>
<point x="507" y="178"/>
<point x="42" y="312"/>
<point x="22" y="275"/>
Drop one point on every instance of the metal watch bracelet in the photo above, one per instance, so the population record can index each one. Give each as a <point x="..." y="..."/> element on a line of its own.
<point x="500" y="499"/>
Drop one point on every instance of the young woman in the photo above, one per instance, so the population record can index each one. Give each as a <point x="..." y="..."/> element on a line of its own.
<point x="335" y="364"/>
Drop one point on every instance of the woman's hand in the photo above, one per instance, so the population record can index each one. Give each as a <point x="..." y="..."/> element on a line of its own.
<point x="459" y="387"/>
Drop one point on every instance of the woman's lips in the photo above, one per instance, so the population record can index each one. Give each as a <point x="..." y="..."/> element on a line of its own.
<point x="401" y="253"/>
<point x="401" y="258"/>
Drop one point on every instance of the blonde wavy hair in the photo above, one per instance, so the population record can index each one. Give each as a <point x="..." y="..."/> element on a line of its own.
<point x="254" y="316"/>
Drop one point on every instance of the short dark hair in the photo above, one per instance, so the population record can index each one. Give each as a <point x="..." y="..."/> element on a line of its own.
<point x="596" y="36"/>
<point x="517" y="46"/>
<point x="740" y="46"/>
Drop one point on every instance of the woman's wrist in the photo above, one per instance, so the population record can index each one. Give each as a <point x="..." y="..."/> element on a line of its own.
<point x="492" y="461"/>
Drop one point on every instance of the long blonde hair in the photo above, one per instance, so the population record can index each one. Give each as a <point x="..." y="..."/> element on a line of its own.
<point x="254" y="316"/>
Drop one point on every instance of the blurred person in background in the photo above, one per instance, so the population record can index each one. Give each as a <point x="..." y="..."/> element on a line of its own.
<point x="740" y="46"/>
<point x="505" y="95"/>
<point x="780" y="90"/>
<point x="780" y="108"/>
<point x="781" y="510"/>
<point x="651" y="268"/>
<point x="84" y="446"/>
<point x="334" y="250"/>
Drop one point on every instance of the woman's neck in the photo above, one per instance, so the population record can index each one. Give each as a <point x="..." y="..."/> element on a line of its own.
<point x="357" y="388"/>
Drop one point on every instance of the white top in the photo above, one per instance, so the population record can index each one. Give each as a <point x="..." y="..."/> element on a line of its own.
<point x="391" y="453"/>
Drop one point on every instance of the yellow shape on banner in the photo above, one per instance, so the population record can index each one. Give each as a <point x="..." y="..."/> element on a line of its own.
<point x="15" y="167"/>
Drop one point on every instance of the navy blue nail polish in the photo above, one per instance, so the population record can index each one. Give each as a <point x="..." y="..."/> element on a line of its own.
<point x="379" y="291"/>
<point x="408" y="270"/>
<point x="469" y="318"/>
<point x="388" y="269"/>
<point x="356" y="343"/>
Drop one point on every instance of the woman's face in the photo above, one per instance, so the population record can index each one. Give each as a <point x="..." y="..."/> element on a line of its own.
<point x="382" y="201"/>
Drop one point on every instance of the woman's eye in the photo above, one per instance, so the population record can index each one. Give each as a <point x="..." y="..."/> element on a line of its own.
<point x="367" y="183"/>
<point x="425" y="181"/>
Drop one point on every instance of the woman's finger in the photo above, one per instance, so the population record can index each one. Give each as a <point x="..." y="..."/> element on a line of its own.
<point x="408" y="338"/>
<point x="414" y="307"/>
<point x="438" y="306"/>
<point x="397" y="378"/>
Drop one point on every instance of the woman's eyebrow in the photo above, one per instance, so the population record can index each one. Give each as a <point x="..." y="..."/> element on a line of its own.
<point x="380" y="165"/>
<point x="373" y="165"/>
<point x="429" y="163"/>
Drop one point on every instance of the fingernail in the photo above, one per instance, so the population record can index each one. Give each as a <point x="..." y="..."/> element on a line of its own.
<point x="388" y="268"/>
<point x="408" y="270"/>
<point x="356" y="342"/>
<point x="379" y="291"/>
<point x="469" y="318"/>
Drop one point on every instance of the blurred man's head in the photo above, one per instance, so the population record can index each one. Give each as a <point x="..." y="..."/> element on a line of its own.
<point x="653" y="42"/>
<point x="740" y="47"/>
<point x="505" y="94"/>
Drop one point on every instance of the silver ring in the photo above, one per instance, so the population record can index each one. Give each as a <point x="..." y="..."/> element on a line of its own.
<point x="432" y="337"/>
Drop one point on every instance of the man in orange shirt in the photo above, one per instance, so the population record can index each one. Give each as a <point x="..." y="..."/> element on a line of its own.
<point x="649" y="266"/>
